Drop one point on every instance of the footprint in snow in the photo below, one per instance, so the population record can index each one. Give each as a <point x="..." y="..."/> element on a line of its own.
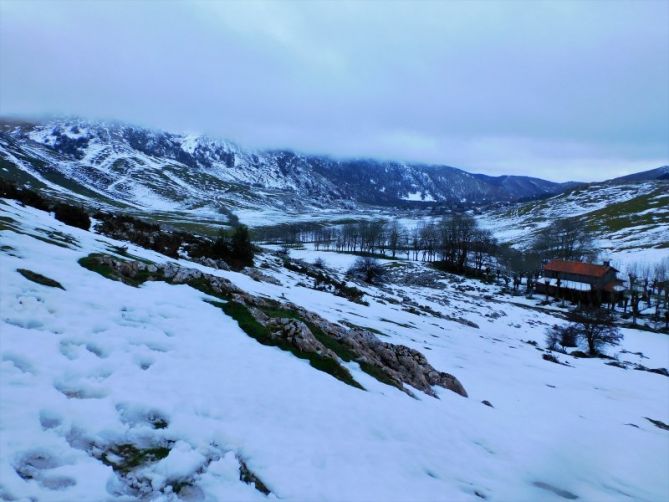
<point x="35" y="464"/>
<point x="25" y="323"/>
<point x="80" y="390"/>
<point x="49" y="419"/>
<point x="20" y="362"/>
<point x="136" y="415"/>
<point x="96" y="349"/>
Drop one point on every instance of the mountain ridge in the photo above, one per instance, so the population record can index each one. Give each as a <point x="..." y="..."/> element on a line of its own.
<point x="90" y="152"/>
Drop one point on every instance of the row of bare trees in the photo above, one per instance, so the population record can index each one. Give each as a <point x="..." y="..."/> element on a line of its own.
<point x="456" y="240"/>
<point x="648" y="289"/>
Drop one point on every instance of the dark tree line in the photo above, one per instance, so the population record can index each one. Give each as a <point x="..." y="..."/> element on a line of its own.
<point x="456" y="240"/>
<point x="69" y="214"/>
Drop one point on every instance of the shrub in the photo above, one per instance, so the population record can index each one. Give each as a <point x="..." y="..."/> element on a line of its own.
<point x="560" y="337"/>
<point x="284" y="251"/>
<point x="242" y="248"/>
<point x="72" y="215"/>
<point x="26" y="196"/>
<point x="594" y="327"/>
<point x="235" y="249"/>
<point x="367" y="269"/>
<point x="319" y="263"/>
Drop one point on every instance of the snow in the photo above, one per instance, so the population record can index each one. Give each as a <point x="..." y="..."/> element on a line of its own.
<point x="189" y="143"/>
<point x="90" y="364"/>
<point x="418" y="196"/>
<point x="337" y="261"/>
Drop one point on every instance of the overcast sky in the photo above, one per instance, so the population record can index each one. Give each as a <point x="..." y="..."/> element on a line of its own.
<point x="561" y="90"/>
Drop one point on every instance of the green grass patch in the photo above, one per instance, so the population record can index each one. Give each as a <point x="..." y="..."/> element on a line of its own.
<point x="53" y="242"/>
<point x="39" y="278"/>
<point x="260" y="333"/>
<point x="92" y="263"/>
<point x="279" y="313"/>
<point x="7" y="223"/>
<point x="397" y="323"/>
<point x="334" y="345"/>
<point x="122" y="251"/>
<point x="125" y="458"/>
<point x="65" y="240"/>
<point x="203" y="285"/>
<point x="363" y="328"/>
<point x="634" y="212"/>
<point x="379" y="374"/>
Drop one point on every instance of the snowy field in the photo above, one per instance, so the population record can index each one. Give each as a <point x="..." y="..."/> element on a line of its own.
<point x="99" y="364"/>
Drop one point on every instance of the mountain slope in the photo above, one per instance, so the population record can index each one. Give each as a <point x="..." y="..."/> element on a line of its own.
<point x="628" y="219"/>
<point x="660" y="173"/>
<point x="160" y="170"/>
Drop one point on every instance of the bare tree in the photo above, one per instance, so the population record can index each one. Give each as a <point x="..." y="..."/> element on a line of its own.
<point x="565" y="239"/>
<point x="561" y="337"/>
<point x="596" y="328"/>
<point x="394" y="235"/>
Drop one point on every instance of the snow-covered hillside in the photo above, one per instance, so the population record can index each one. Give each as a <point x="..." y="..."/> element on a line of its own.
<point x="628" y="219"/>
<point x="111" y="391"/>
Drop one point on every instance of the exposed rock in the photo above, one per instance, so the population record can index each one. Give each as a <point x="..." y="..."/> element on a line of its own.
<point x="551" y="358"/>
<point x="259" y="276"/>
<point x="617" y="364"/>
<point x="299" y="335"/>
<point x="212" y="263"/>
<point x="659" y="371"/>
<point x="658" y="423"/>
<point x="394" y="364"/>
<point x="402" y="364"/>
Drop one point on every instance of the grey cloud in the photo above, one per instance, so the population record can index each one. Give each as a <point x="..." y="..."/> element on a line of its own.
<point x="563" y="90"/>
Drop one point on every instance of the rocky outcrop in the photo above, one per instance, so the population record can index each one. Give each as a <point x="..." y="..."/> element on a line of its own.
<point x="212" y="263"/>
<point x="399" y="363"/>
<point x="298" y="334"/>
<point x="258" y="276"/>
<point x="297" y="327"/>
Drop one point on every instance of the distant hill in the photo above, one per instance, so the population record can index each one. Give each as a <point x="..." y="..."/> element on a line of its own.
<point x="660" y="173"/>
<point x="628" y="217"/>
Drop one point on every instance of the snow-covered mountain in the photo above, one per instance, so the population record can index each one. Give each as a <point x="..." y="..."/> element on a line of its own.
<point x="160" y="170"/>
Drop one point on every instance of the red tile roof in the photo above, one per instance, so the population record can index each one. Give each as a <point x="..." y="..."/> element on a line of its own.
<point x="578" y="268"/>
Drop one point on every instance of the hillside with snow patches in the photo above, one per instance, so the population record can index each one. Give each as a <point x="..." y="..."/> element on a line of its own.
<point x="163" y="171"/>
<point x="151" y="391"/>
<point x="628" y="218"/>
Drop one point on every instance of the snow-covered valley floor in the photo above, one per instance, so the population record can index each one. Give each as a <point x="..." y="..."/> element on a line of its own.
<point x="99" y="368"/>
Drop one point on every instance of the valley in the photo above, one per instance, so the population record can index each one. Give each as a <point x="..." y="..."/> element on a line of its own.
<point x="158" y="371"/>
<point x="345" y="359"/>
